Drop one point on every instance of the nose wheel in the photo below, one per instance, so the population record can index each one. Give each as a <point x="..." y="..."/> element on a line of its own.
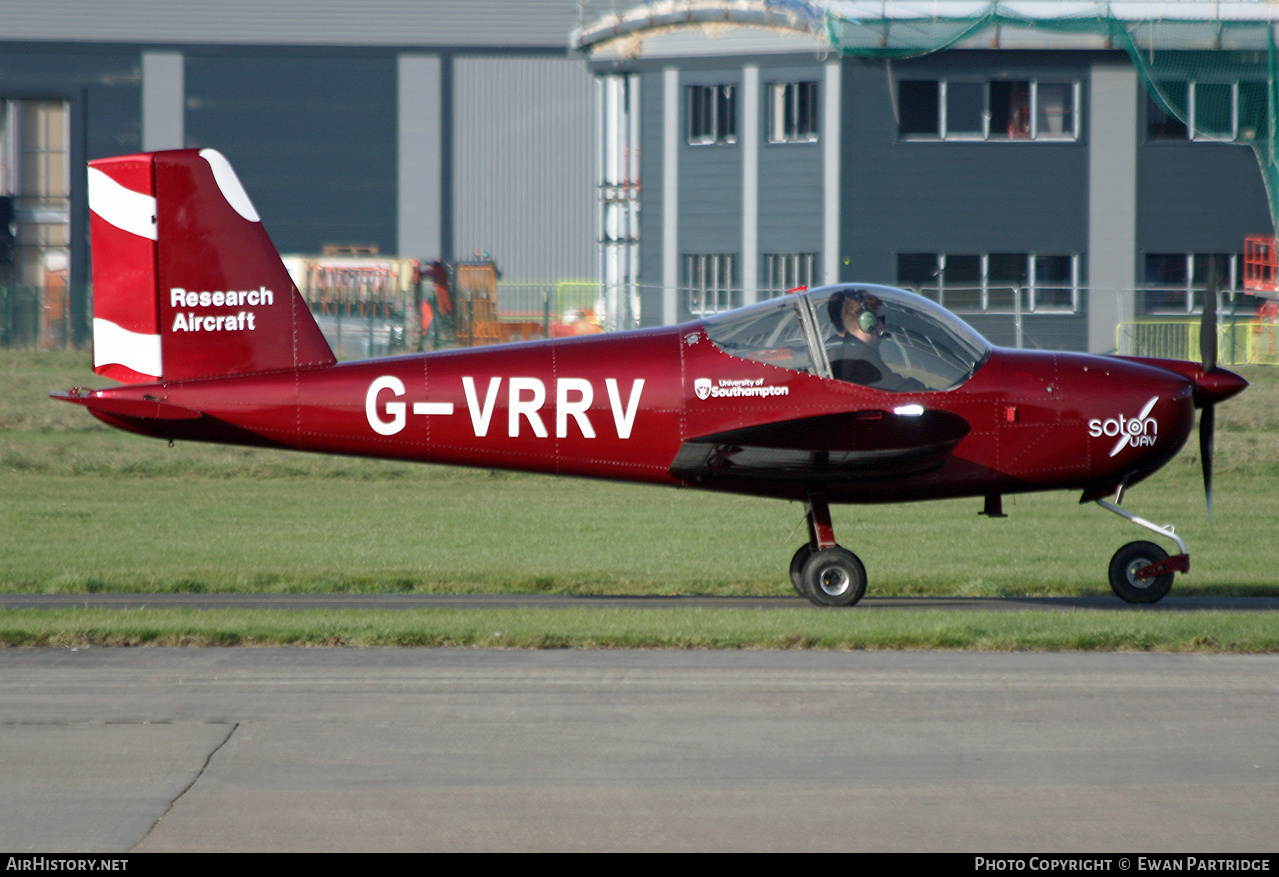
<point x="1132" y="573"/>
<point x="822" y="571"/>
<point x="1142" y="572"/>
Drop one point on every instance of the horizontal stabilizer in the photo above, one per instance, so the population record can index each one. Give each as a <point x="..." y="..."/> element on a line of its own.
<point x="145" y="409"/>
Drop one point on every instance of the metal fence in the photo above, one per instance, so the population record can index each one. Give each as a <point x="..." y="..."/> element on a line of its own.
<point x="41" y="318"/>
<point x="1241" y="342"/>
<point x="537" y="301"/>
<point x="33" y="317"/>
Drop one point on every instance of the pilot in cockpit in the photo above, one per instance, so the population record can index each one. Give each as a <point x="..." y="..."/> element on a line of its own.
<point x="853" y="351"/>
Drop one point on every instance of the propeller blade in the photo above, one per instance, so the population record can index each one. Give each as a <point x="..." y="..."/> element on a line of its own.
<point x="1207" y="419"/>
<point x="1208" y="355"/>
<point x="1208" y="327"/>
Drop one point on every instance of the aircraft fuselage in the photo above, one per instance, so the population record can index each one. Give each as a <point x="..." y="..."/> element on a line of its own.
<point x="620" y="407"/>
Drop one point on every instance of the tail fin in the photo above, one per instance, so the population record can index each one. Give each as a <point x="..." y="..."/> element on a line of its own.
<point x="186" y="283"/>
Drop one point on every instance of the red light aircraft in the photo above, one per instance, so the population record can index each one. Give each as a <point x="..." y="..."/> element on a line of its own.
<point x="196" y="314"/>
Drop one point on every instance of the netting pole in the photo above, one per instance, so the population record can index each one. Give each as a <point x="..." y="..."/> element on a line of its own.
<point x="1270" y="171"/>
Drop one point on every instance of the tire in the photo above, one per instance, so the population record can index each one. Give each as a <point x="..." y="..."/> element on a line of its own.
<point x="797" y="568"/>
<point x="1124" y="581"/>
<point x="833" y="577"/>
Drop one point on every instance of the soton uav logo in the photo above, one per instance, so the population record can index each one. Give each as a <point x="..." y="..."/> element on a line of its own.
<point x="1139" y="431"/>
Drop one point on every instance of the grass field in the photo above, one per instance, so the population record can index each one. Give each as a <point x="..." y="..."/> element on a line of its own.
<point x="803" y="627"/>
<point x="86" y="508"/>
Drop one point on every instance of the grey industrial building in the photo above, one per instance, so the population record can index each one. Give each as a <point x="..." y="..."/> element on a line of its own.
<point x="1024" y="179"/>
<point x="688" y="165"/>
<point x="427" y="129"/>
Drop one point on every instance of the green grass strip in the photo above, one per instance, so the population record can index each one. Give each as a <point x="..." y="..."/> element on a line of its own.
<point x="799" y="628"/>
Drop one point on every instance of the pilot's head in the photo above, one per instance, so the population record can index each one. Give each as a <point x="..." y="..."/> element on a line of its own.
<point x="835" y="310"/>
<point x="861" y="314"/>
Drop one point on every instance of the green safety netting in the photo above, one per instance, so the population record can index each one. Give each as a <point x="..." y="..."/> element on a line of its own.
<point x="1209" y="66"/>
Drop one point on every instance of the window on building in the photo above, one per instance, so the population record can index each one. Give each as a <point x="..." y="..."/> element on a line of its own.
<point x="918" y="109"/>
<point x="1054" y="283"/>
<point x="1166" y="283"/>
<point x="710" y="282"/>
<point x="1010" y="110"/>
<point x="918" y="270"/>
<point x="1007" y="274"/>
<point x="1252" y="111"/>
<point x="1056" y="110"/>
<point x="712" y="114"/>
<point x="786" y="271"/>
<point x="792" y="112"/>
<point x="1213" y="111"/>
<point x="994" y="282"/>
<point x="957" y="109"/>
<point x="965" y="105"/>
<point x="961" y="275"/>
<point x="1175" y="282"/>
<point x="1161" y="124"/>
<point x="35" y="172"/>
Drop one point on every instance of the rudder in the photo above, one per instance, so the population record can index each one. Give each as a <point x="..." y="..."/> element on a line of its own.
<point x="187" y="284"/>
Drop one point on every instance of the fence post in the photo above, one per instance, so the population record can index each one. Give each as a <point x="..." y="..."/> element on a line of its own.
<point x="1017" y="337"/>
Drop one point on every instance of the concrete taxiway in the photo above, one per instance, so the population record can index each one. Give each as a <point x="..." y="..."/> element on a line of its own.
<point x="118" y="750"/>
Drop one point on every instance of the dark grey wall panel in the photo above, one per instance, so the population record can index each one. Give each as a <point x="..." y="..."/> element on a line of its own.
<point x="313" y="138"/>
<point x="710" y="204"/>
<point x="790" y="198"/>
<point x="952" y="196"/>
<point x="1198" y="198"/>
<point x="710" y="178"/>
<point x="790" y="175"/>
<point x="710" y="201"/>
<point x="983" y="197"/>
<point x="106" y="85"/>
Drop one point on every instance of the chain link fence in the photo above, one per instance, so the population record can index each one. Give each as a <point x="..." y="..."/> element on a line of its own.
<point x="40" y="318"/>
<point x="35" y="318"/>
<point x="1239" y="342"/>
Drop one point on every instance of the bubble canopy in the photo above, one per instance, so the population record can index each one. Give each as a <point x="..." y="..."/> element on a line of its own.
<point x="923" y="341"/>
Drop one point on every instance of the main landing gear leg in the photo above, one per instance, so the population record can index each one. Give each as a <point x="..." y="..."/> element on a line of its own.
<point x="825" y="573"/>
<point x="1142" y="572"/>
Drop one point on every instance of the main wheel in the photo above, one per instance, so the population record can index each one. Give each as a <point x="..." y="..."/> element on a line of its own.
<point x="1125" y="582"/>
<point x="833" y="577"/>
<point x="797" y="568"/>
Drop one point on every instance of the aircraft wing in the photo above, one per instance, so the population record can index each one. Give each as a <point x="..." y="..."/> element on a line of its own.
<point x="846" y="447"/>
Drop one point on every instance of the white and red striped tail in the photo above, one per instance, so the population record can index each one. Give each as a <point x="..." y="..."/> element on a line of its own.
<point x="186" y="283"/>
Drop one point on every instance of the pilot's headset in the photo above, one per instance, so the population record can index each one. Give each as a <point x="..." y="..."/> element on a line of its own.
<point x="866" y="320"/>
